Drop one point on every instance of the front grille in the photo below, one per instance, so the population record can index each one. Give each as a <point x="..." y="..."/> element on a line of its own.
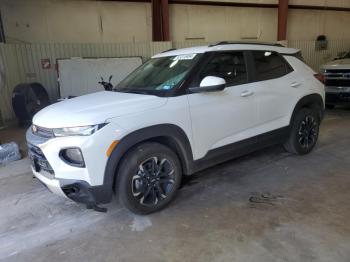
<point x="337" y="82"/>
<point x="337" y="77"/>
<point x="337" y="71"/>
<point x="42" y="131"/>
<point x="38" y="159"/>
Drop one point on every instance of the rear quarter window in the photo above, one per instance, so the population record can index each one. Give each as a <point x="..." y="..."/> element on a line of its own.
<point x="269" y="65"/>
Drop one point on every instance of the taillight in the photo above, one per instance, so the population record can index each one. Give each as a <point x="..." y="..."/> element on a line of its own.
<point x="320" y="77"/>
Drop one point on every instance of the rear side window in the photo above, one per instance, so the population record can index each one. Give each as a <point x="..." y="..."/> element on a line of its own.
<point x="269" y="65"/>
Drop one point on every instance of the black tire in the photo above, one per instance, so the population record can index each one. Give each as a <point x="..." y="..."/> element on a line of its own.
<point x="304" y="132"/>
<point x="27" y="100"/>
<point x="143" y="189"/>
<point x="330" y="106"/>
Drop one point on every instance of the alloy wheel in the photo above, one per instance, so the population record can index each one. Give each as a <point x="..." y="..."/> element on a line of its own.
<point x="153" y="181"/>
<point x="308" y="132"/>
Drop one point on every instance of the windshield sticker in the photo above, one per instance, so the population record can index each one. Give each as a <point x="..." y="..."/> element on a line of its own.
<point x="184" y="57"/>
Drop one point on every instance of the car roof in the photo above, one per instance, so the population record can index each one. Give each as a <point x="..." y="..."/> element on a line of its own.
<point x="229" y="46"/>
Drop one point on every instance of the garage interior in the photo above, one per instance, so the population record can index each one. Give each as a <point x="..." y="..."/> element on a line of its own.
<point x="266" y="206"/>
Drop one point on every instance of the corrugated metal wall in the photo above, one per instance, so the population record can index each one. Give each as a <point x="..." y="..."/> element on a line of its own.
<point x="317" y="58"/>
<point x="21" y="63"/>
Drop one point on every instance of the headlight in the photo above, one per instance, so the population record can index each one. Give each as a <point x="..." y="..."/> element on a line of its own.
<point x="77" y="131"/>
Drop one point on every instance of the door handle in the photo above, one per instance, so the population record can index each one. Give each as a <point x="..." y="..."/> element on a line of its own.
<point x="295" y="84"/>
<point x="247" y="93"/>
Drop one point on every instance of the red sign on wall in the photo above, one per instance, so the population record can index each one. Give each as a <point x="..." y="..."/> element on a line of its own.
<point x="45" y="63"/>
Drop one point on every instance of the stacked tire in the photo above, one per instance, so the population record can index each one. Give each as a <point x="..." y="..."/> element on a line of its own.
<point x="27" y="100"/>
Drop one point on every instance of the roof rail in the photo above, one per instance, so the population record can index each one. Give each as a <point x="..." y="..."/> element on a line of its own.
<point x="245" y="43"/>
<point x="171" y="49"/>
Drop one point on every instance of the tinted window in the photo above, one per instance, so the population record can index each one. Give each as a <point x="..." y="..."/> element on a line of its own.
<point x="230" y="66"/>
<point x="269" y="65"/>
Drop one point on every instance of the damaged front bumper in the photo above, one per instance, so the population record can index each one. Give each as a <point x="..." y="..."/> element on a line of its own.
<point x="52" y="184"/>
<point x="75" y="189"/>
<point x="78" y="191"/>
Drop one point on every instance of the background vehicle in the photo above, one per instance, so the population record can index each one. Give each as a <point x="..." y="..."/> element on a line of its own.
<point x="180" y="112"/>
<point x="337" y="80"/>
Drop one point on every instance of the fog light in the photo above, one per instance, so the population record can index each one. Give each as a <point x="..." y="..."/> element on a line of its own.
<point x="73" y="157"/>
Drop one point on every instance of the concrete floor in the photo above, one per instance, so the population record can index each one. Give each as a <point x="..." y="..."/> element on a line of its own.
<point x="268" y="206"/>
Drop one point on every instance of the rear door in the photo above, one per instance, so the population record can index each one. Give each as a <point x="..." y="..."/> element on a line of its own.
<point x="276" y="89"/>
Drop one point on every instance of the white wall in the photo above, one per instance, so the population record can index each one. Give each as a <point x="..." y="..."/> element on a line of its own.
<point x="308" y="24"/>
<point x="75" y="21"/>
<point x="333" y="3"/>
<point x="64" y="21"/>
<point x="213" y="23"/>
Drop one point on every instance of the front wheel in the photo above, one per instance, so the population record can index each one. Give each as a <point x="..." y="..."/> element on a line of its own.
<point x="304" y="132"/>
<point x="148" y="178"/>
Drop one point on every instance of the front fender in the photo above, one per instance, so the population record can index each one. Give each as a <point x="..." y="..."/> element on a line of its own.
<point x="173" y="134"/>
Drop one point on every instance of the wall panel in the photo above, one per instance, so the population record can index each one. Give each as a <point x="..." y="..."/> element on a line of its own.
<point x="22" y="63"/>
<point x="316" y="58"/>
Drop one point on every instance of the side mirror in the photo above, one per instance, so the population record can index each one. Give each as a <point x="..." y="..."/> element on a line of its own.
<point x="210" y="84"/>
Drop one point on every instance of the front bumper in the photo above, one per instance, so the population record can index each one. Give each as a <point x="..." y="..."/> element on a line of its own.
<point x="78" y="191"/>
<point x="52" y="184"/>
<point x="337" y="95"/>
<point x="81" y="184"/>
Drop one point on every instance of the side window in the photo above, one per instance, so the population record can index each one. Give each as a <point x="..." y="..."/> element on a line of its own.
<point x="230" y="66"/>
<point x="269" y="65"/>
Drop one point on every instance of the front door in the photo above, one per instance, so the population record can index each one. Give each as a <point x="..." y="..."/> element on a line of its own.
<point x="224" y="117"/>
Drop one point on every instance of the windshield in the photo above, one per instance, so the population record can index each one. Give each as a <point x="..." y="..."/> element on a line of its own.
<point x="158" y="74"/>
<point x="343" y="55"/>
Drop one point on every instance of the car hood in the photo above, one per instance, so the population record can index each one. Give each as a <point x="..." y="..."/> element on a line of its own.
<point x="94" y="109"/>
<point x="338" y="64"/>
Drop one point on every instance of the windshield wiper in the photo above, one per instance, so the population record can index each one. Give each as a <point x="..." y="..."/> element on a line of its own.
<point x="135" y="91"/>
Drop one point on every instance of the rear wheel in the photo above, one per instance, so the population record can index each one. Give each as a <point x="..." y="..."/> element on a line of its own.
<point x="149" y="178"/>
<point x="304" y="132"/>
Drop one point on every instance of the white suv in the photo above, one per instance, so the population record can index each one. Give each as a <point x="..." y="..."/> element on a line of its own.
<point x="180" y="112"/>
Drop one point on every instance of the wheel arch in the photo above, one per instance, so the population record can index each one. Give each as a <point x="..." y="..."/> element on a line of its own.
<point x="167" y="134"/>
<point x="312" y="101"/>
